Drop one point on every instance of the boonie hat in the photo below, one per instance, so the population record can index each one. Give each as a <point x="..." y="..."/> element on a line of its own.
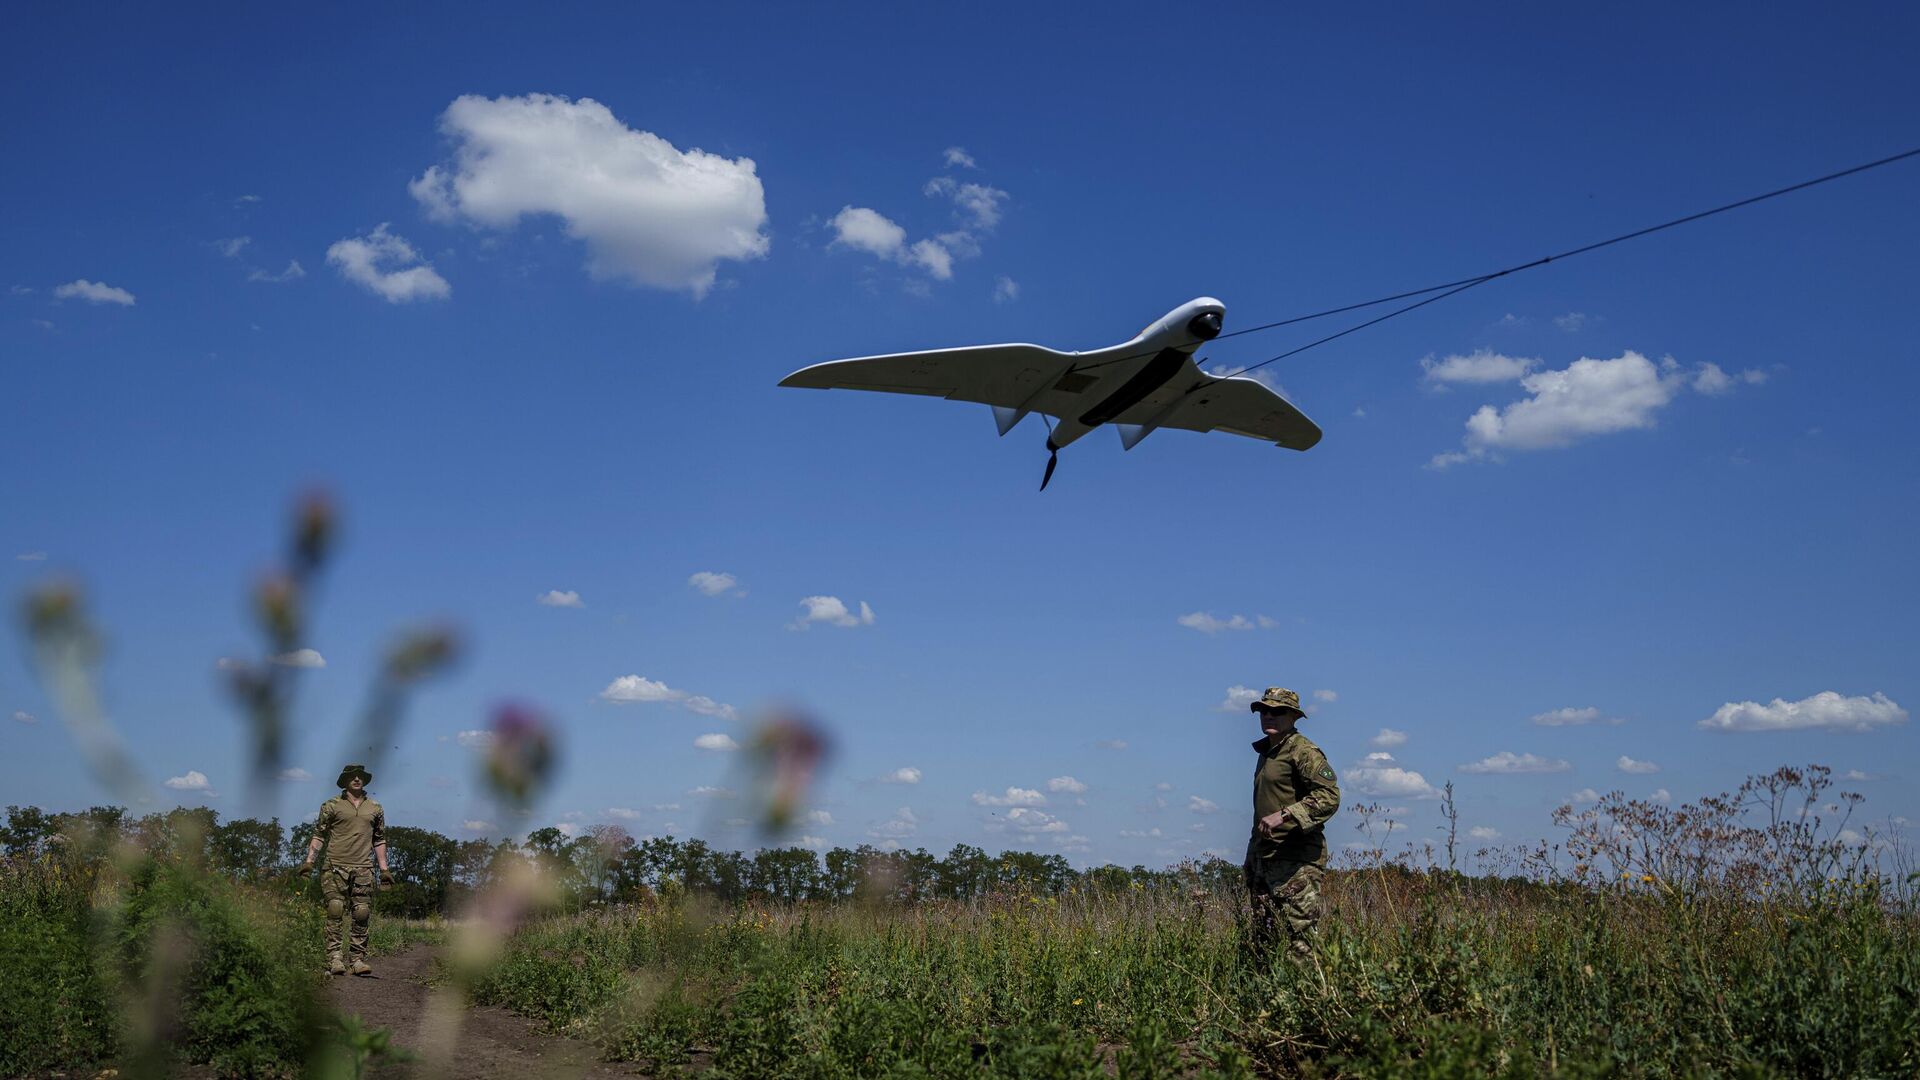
<point x="352" y="771"/>
<point x="1278" y="697"/>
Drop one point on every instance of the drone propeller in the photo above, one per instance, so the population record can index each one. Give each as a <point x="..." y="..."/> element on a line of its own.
<point x="1053" y="458"/>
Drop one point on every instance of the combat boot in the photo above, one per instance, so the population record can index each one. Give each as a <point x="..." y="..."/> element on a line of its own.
<point x="335" y="966"/>
<point x="360" y="967"/>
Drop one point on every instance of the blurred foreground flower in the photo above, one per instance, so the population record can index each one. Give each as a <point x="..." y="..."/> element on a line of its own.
<point x="522" y="755"/>
<point x="785" y="754"/>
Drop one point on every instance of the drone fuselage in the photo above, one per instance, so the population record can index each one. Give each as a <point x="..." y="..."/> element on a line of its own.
<point x="1123" y="375"/>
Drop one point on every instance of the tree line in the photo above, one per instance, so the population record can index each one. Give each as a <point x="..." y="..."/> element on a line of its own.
<point x="433" y="873"/>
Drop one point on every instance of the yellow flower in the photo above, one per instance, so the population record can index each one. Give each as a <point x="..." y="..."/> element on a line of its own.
<point x="1076" y="1001"/>
<point x="1646" y="877"/>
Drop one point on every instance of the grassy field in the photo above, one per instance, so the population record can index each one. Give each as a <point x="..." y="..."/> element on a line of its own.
<point x="1418" y="974"/>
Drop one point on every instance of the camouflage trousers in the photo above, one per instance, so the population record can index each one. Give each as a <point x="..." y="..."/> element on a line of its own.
<point x="1285" y="898"/>
<point x="349" y="892"/>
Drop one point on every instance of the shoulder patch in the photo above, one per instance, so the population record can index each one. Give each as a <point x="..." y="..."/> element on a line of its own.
<point x="1326" y="772"/>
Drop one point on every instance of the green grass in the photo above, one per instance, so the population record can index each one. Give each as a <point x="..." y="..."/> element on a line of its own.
<point x="1416" y="975"/>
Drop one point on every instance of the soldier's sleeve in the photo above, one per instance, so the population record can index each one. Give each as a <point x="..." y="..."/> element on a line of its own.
<point x="323" y="820"/>
<point x="1320" y="790"/>
<point x="380" y="828"/>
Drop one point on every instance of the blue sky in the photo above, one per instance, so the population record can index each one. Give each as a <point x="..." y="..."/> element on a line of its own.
<point x="533" y="338"/>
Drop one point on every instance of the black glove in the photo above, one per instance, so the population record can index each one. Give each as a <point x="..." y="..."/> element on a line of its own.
<point x="303" y="870"/>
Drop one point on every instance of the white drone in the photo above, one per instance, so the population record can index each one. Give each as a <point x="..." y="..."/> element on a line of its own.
<point x="1138" y="386"/>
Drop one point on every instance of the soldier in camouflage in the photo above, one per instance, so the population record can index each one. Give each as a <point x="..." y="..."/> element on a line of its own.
<point x="1294" y="795"/>
<point x="353" y="829"/>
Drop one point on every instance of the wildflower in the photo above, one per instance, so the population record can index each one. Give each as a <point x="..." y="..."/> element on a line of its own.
<point x="1076" y="1001"/>
<point x="1648" y="878"/>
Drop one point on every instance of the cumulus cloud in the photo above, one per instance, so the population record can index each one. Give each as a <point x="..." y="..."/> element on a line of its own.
<point x="1506" y="761"/>
<point x="819" y="817"/>
<point x="301" y="658"/>
<point x="295" y="776"/>
<point x="958" y="158"/>
<point x="1005" y="290"/>
<point x="232" y="246"/>
<point x="1208" y="623"/>
<point x="1378" y="774"/>
<point x="1388" y="739"/>
<point x="1198" y="805"/>
<point x="93" y="292"/>
<point x="1238" y="699"/>
<point x="1826" y="711"/>
<point x="22" y="716"/>
<point x="906" y="774"/>
<point x="900" y="826"/>
<point x="646" y="210"/>
<point x="1584" y="795"/>
<point x="1327" y="696"/>
<point x="475" y="825"/>
<point x="293" y="272"/>
<point x="1572" y="322"/>
<point x="714" y="583"/>
<point x="32" y="556"/>
<point x="1629" y="765"/>
<point x="1484" y="832"/>
<point x="864" y="229"/>
<point x="1571" y="717"/>
<point x="1661" y="795"/>
<point x="708" y="791"/>
<point x="640" y="690"/>
<point x="1027" y="820"/>
<point x="1588" y="398"/>
<point x="1476" y="367"/>
<point x="979" y="204"/>
<point x="1015" y="796"/>
<point x="194" y="781"/>
<point x="718" y="742"/>
<point x="556" y="598"/>
<point x="832" y="611"/>
<point x="475" y="739"/>
<point x="1066" y="784"/>
<point x="387" y="266"/>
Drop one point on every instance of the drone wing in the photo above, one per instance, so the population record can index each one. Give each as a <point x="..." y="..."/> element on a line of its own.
<point x="1236" y="405"/>
<point x="1024" y="377"/>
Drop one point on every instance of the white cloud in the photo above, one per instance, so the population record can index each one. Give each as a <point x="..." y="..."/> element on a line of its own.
<point x="1207" y="623"/>
<point x="978" y="204"/>
<point x="93" y="292"/>
<point x="1661" y="795"/>
<point x="475" y="739"/>
<point x="1571" y="717"/>
<point x="293" y="272"/>
<point x="1140" y="834"/>
<point x="232" y="246"/>
<point x="1015" y="796"/>
<point x="1710" y="380"/>
<point x="1572" y="322"/>
<point x="906" y="774"/>
<point x="384" y="264"/>
<point x="1005" y="290"/>
<point x="1110" y="744"/>
<point x="832" y="611"/>
<point x="1198" y="805"/>
<point x="713" y="583"/>
<point x="624" y="813"/>
<point x="1851" y="775"/>
<point x="1584" y="795"/>
<point x="1484" y="832"/>
<point x="194" y="781"/>
<point x="958" y="158"/>
<point x="474" y="825"/>
<point x="1238" y="699"/>
<point x="1034" y="821"/>
<point x="707" y="791"/>
<point x="718" y="742"/>
<point x="819" y="817"/>
<point x="901" y="825"/>
<point x="295" y="776"/>
<point x="1507" y="761"/>
<point x="815" y="842"/>
<point x="1476" y="367"/>
<point x="647" y="211"/>
<point x="1826" y="711"/>
<point x="1638" y="768"/>
<point x="1378" y="774"/>
<point x="1066" y="784"/>
<point x="556" y="598"/>
<point x="301" y="658"/>
<point x="864" y="229"/>
<point x="1327" y="696"/>
<point x="640" y="690"/>
<point x="32" y="556"/>
<point x="1388" y="739"/>
<point x="22" y="716"/>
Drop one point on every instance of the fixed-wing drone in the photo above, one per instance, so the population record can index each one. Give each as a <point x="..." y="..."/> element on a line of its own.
<point x="1138" y="386"/>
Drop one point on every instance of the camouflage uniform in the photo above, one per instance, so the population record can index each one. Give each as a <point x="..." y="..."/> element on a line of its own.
<point x="1295" y="791"/>
<point x="350" y="833"/>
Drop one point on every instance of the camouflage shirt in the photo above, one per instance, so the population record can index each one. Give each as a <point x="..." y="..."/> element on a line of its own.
<point x="351" y="832"/>
<point x="1293" y="776"/>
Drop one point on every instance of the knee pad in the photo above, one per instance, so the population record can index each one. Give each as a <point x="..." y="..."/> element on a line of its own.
<point x="336" y="908"/>
<point x="361" y="911"/>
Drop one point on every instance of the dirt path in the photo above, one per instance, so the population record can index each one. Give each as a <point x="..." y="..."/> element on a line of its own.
<point x="493" y="1042"/>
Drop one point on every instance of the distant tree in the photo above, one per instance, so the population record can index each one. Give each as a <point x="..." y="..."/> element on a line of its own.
<point x="422" y="864"/>
<point x="247" y="848"/>
<point x="786" y="875"/>
<point x="965" y="873"/>
<point x="183" y="832"/>
<point x="26" y="832"/>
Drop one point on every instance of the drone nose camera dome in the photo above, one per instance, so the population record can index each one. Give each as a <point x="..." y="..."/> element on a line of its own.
<point x="1205" y="326"/>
